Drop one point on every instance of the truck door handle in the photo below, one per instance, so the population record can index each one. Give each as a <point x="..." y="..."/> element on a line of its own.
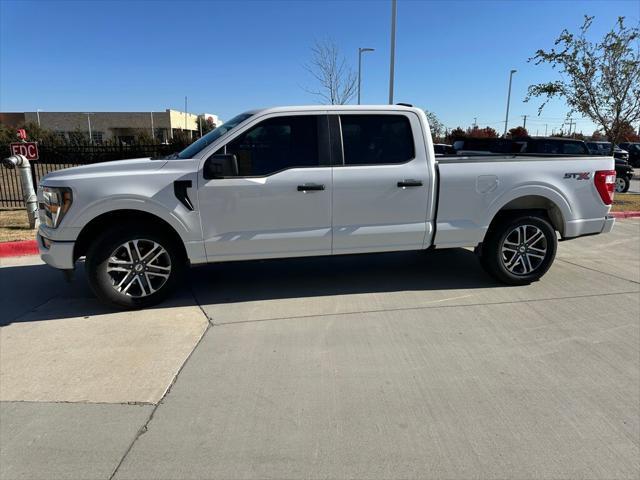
<point x="410" y="183"/>
<point x="310" y="186"/>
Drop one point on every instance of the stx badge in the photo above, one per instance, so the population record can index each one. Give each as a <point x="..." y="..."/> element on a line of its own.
<point x="578" y="175"/>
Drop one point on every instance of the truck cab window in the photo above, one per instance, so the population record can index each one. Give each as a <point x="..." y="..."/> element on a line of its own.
<point x="376" y="139"/>
<point x="277" y="144"/>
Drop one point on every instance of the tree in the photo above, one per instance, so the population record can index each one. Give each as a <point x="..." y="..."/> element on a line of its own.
<point x="486" y="132"/>
<point x="628" y="133"/>
<point x="435" y="125"/>
<point x="596" y="136"/>
<point x="518" y="132"/>
<point x="205" y="125"/>
<point x="456" y="134"/>
<point x="337" y="80"/>
<point x="600" y="80"/>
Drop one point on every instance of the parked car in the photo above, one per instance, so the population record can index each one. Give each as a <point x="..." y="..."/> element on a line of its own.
<point x="443" y="149"/>
<point x="624" y="174"/>
<point x="308" y="181"/>
<point x="634" y="153"/>
<point x="604" y="148"/>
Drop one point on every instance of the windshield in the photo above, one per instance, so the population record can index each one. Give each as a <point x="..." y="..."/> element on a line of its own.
<point x="212" y="136"/>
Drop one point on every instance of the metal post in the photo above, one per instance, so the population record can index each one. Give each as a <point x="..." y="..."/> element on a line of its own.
<point x="545" y="129"/>
<point x="89" y="122"/>
<point x="506" y="119"/>
<point x="360" y="50"/>
<point x="38" y="115"/>
<point x="28" y="192"/>
<point x="524" y="125"/>
<point x="393" y="50"/>
<point x="153" y="130"/>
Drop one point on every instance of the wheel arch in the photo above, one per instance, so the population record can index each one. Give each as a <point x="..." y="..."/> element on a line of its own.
<point x="537" y="204"/>
<point x="119" y="217"/>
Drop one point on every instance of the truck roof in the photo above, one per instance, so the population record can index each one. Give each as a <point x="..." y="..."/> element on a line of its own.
<point x="306" y="108"/>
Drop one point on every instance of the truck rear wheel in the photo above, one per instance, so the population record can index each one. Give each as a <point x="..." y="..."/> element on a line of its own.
<point x="134" y="267"/>
<point x="519" y="249"/>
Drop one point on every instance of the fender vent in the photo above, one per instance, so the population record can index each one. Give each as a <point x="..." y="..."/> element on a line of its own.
<point x="180" y="191"/>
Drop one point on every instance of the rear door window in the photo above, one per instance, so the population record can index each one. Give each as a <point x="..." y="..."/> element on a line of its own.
<point x="376" y="139"/>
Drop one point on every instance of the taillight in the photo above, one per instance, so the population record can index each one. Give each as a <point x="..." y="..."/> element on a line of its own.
<point x="605" y="181"/>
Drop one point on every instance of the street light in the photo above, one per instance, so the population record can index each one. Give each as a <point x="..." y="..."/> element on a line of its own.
<point x="506" y="119"/>
<point x="392" y="56"/>
<point x="360" y="50"/>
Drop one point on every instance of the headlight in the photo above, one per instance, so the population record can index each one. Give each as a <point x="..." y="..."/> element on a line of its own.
<point x="56" y="202"/>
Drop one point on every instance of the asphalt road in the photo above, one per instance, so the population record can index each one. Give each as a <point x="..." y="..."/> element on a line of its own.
<point x="406" y="365"/>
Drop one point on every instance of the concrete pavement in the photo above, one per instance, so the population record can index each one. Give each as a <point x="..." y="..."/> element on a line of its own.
<point x="388" y="366"/>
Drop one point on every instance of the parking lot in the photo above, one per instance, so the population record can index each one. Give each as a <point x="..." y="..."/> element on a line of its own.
<point x="403" y="365"/>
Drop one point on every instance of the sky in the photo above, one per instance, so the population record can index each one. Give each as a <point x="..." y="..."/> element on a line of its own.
<point x="452" y="57"/>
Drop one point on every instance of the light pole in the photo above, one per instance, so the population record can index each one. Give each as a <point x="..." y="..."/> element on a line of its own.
<point x="393" y="50"/>
<point x="153" y="131"/>
<point x="360" y="50"/>
<point x="38" y="115"/>
<point x="506" y="119"/>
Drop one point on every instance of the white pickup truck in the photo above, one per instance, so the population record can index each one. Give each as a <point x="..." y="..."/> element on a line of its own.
<point x="315" y="180"/>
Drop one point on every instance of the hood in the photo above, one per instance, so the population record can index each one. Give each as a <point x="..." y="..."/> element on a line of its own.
<point x="133" y="166"/>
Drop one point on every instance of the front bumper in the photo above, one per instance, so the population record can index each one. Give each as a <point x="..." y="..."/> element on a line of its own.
<point x="55" y="253"/>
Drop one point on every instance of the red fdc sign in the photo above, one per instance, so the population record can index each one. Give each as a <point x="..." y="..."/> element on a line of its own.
<point x="27" y="149"/>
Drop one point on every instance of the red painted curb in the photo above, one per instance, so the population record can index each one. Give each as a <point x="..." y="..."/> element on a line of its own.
<point x="18" y="249"/>
<point x="632" y="214"/>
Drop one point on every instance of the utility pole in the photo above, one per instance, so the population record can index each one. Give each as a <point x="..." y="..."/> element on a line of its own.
<point x="185" y="117"/>
<point x="571" y="123"/>
<point x="393" y="49"/>
<point x="360" y="50"/>
<point x="545" y="129"/>
<point x="38" y="115"/>
<point x="524" y="125"/>
<point x="506" y="118"/>
<point x="152" y="129"/>
<point x="475" y="122"/>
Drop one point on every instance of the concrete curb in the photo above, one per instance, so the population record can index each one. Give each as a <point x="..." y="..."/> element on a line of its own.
<point x="18" y="249"/>
<point x="632" y="214"/>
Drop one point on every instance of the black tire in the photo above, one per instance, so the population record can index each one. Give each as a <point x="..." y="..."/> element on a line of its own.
<point x="102" y="283"/>
<point x="622" y="185"/>
<point x="497" y="263"/>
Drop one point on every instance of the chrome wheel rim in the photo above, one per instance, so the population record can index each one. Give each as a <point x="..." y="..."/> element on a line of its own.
<point x="619" y="184"/>
<point x="139" y="268"/>
<point x="524" y="249"/>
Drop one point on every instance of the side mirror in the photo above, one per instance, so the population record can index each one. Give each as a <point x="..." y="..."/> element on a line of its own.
<point x="220" y="166"/>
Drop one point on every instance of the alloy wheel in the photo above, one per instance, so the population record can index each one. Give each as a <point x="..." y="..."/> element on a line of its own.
<point x="139" y="268"/>
<point x="524" y="249"/>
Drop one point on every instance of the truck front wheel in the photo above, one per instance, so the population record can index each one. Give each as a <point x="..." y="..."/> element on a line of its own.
<point x="519" y="249"/>
<point x="134" y="267"/>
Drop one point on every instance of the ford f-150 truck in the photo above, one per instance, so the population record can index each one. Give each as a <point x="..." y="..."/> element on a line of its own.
<point x="315" y="180"/>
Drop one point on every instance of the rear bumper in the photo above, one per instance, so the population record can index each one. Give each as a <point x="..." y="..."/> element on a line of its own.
<point x="589" y="226"/>
<point x="56" y="254"/>
<point x="608" y="224"/>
